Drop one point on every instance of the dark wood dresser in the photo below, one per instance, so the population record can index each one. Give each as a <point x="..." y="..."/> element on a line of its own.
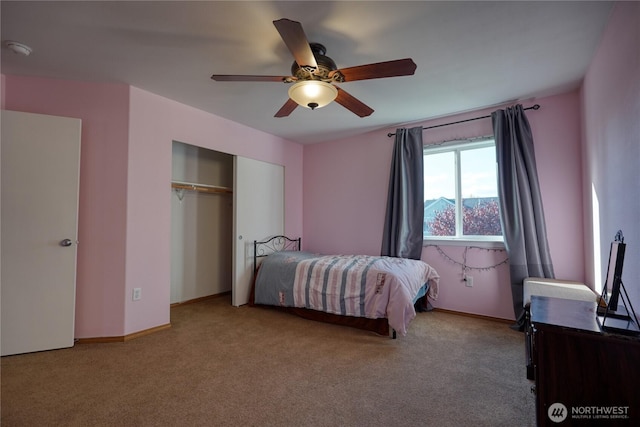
<point x="583" y="376"/>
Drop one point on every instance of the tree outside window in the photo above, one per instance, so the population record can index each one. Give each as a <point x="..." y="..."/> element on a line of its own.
<point x="461" y="196"/>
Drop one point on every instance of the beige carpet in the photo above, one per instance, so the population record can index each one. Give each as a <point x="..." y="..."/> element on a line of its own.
<point x="225" y="366"/>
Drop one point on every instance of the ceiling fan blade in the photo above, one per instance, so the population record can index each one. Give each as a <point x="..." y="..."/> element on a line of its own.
<point x="398" y="67"/>
<point x="353" y="104"/>
<point x="287" y="108"/>
<point x="240" y="78"/>
<point x="294" y="37"/>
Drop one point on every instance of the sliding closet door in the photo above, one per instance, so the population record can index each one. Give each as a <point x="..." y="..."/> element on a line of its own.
<point x="258" y="213"/>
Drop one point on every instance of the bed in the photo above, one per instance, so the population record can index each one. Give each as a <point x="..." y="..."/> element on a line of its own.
<point x="374" y="293"/>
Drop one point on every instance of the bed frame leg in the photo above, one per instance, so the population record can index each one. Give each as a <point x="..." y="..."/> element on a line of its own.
<point x="393" y="334"/>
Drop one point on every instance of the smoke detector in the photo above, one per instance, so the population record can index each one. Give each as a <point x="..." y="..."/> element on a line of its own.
<point x="17" y="47"/>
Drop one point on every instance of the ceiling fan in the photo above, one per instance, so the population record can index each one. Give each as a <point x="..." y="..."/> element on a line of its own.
<point x="314" y="74"/>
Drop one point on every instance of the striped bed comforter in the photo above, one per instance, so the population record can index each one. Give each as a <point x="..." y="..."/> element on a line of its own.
<point x="348" y="285"/>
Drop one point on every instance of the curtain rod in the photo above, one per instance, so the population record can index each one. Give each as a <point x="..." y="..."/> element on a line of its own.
<point x="533" y="107"/>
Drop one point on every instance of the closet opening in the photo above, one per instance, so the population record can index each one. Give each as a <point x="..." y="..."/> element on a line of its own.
<point x="201" y="223"/>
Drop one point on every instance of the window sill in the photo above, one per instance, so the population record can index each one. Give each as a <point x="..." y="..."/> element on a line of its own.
<point x="486" y="244"/>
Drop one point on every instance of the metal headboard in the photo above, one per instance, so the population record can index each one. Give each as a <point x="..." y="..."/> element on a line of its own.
<point x="271" y="245"/>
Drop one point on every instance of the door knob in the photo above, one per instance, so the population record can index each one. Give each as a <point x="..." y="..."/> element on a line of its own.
<point x="66" y="242"/>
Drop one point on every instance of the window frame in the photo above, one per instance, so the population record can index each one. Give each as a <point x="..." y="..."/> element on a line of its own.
<point x="457" y="146"/>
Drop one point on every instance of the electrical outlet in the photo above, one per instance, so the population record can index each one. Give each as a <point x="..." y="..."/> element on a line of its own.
<point x="137" y="294"/>
<point x="468" y="281"/>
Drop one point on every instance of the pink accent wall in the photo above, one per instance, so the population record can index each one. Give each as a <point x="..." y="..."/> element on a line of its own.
<point x="611" y="127"/>
<point x="345" y="191"/>
<point x="124" y="221"/>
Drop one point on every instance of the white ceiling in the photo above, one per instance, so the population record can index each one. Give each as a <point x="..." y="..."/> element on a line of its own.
<point x="469" y="55"/>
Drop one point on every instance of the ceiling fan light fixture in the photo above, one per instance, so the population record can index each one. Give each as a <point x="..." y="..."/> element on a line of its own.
<point x="313" y="93"/>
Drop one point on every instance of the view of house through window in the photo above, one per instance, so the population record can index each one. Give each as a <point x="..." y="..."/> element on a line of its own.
<point x="461" y="191"/>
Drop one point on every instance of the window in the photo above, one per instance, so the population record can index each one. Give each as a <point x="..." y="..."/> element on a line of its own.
<point x="461" y="192"/>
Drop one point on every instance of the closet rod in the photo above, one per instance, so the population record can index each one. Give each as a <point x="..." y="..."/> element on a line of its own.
<point x="204" y="188"/>
<point x="533" y="107"/>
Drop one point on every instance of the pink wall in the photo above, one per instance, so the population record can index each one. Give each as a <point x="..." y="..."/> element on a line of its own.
<point x="611" y="126"/>
<point x="154" y="123"/>
<point x="2" y="83"/>
<point x="124" y="221"/>
<point x="556" y="129"/>
<point x="343" y="182"/>
<point x="345" y="190"/>
<point x="104" y="111"/>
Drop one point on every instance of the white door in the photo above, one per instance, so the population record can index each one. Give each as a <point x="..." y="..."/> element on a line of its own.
<point x="258" y="203"/>
<point x="40" y="171"/>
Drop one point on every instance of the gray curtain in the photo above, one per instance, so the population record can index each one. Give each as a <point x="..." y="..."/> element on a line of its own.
<point x="405" y="203"/>
<point x="521" y="211"/>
